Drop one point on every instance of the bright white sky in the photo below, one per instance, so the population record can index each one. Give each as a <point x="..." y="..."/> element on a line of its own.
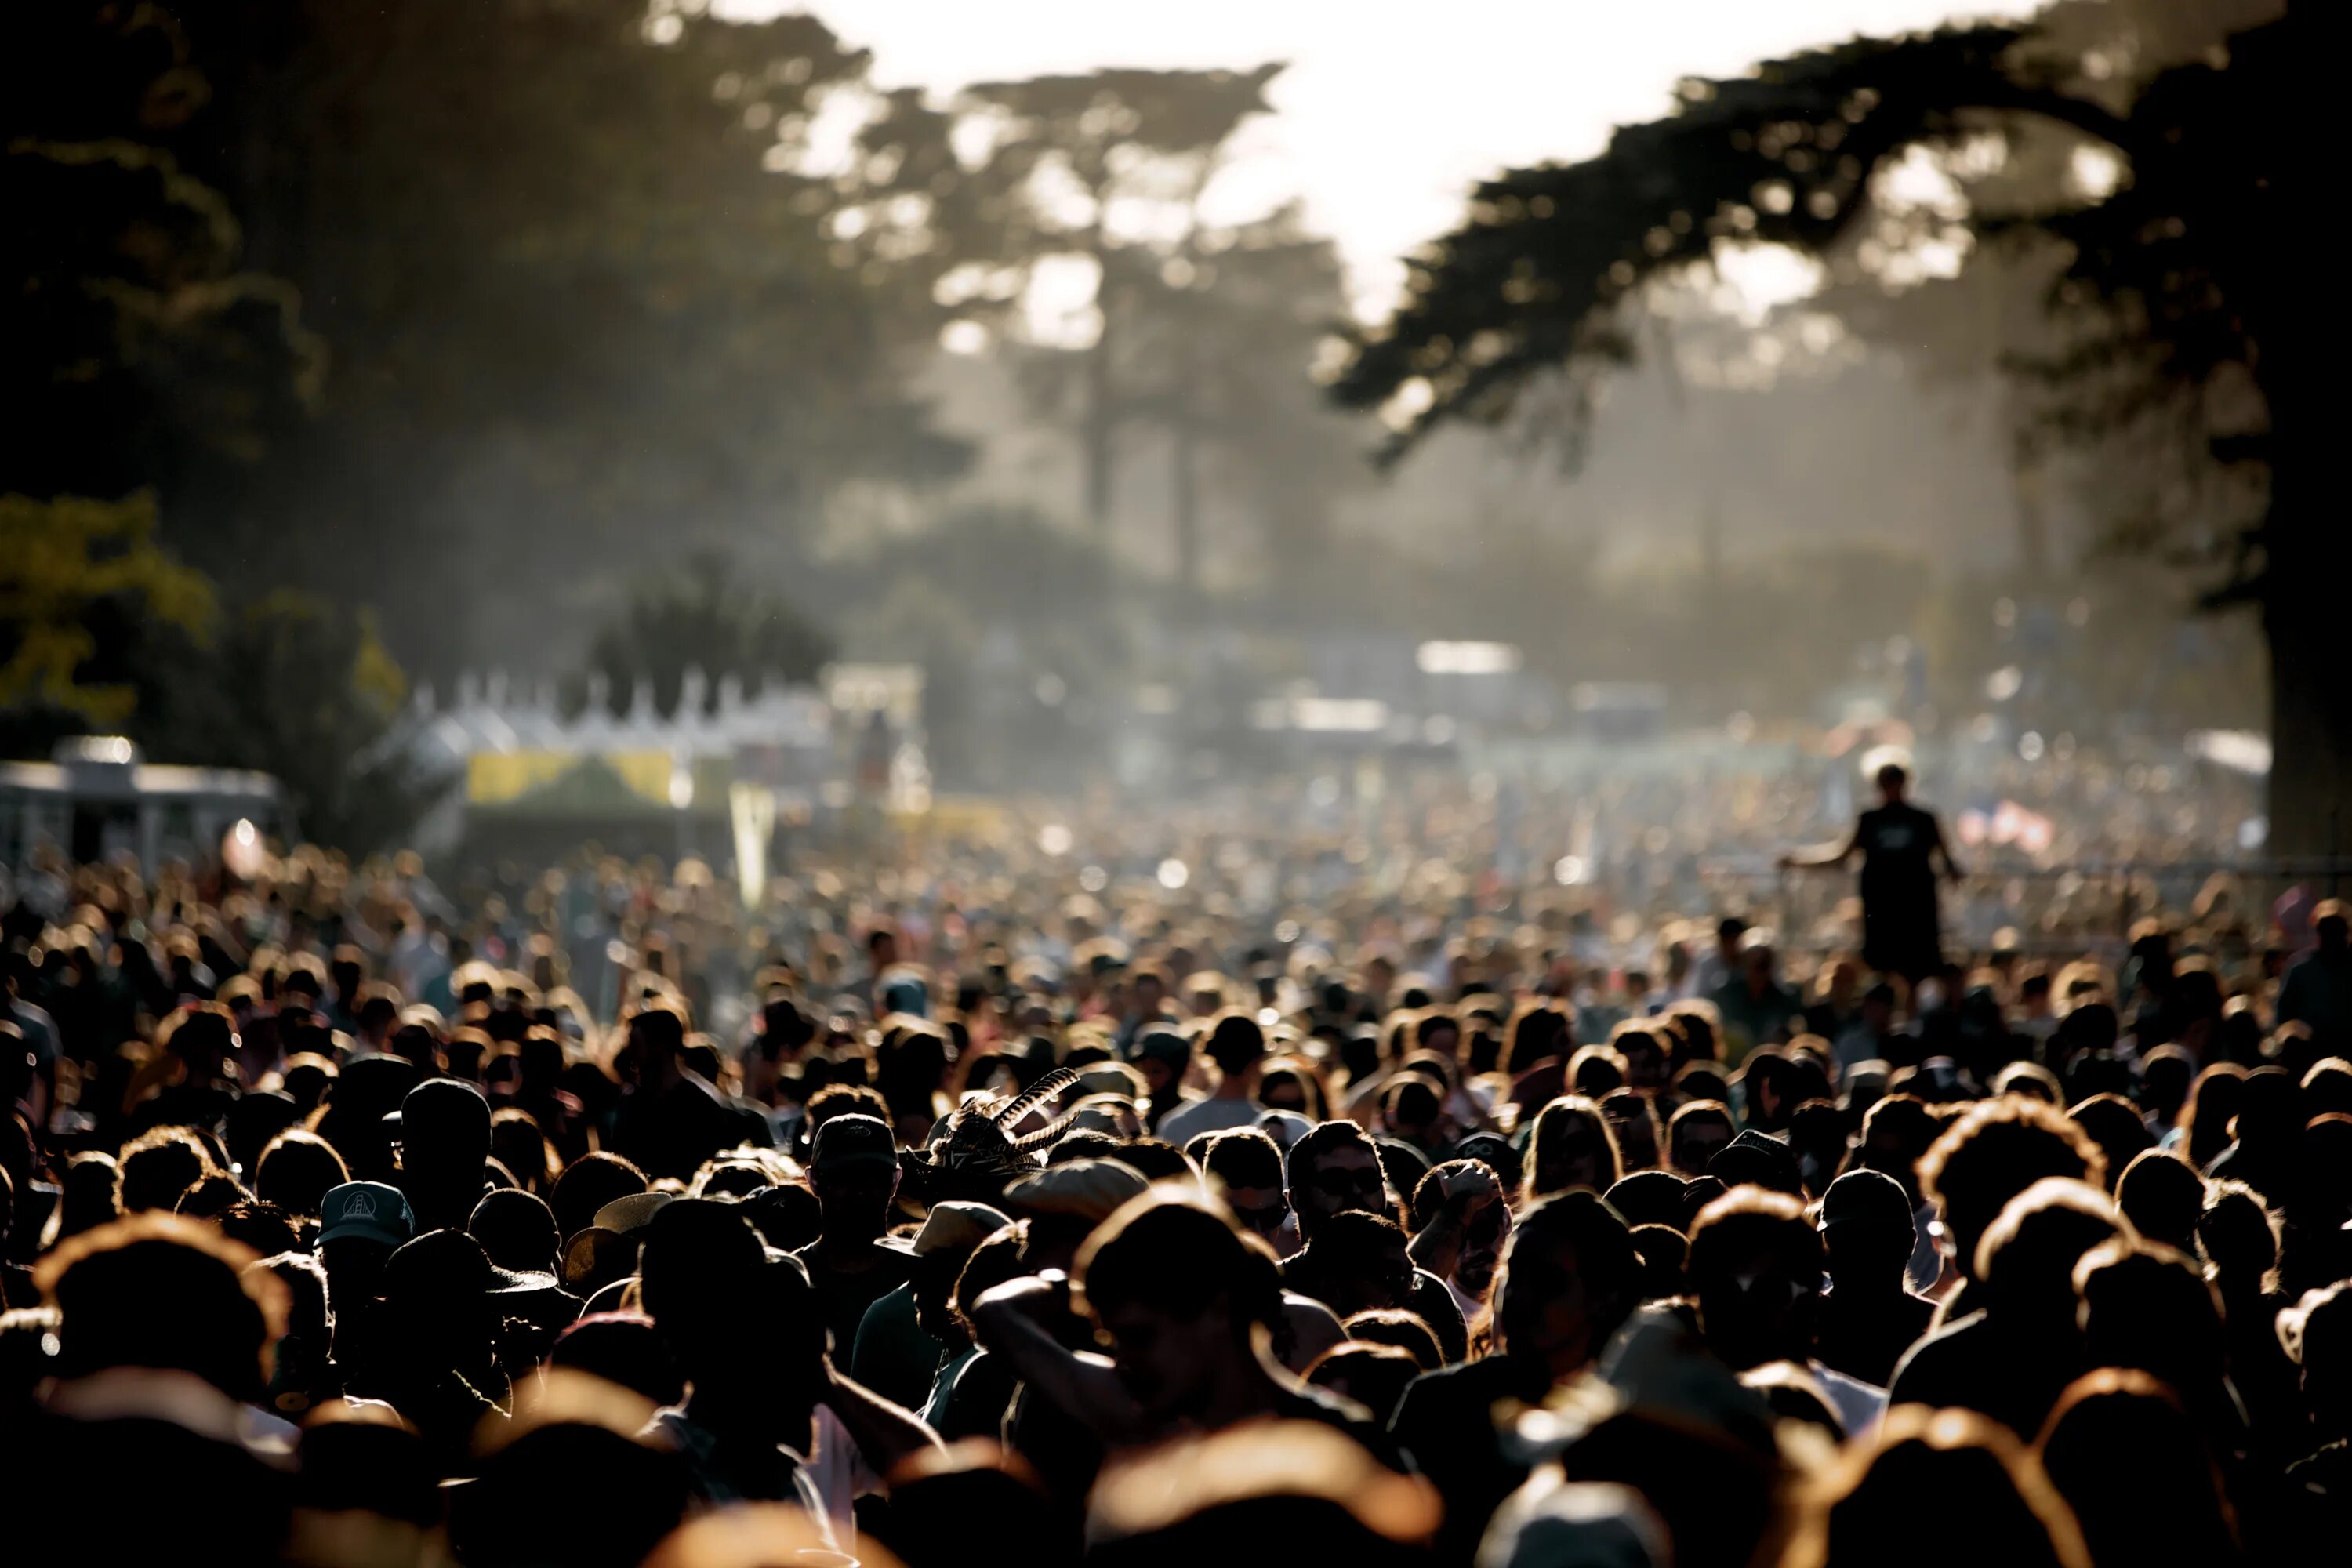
<point x="1389" y="110"/>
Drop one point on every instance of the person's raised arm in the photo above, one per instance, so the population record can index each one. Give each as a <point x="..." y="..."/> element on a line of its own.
<point x="884" y="1433"/>
<point x="1439" y="1246"/>
<point x="1010" y="1322"/>
<point x="1823" y="858"/>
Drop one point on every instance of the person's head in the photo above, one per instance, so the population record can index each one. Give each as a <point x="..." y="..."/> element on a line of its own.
<point x="157" y="1166"/>
<point x="2118" y="1438"/>
<point x="437" y="1305"/>
<point x="157" y="1290"/>
<point x="1264" y="1491"/>
<point x="1867" y="1231"/>
<point x="2317" y="1334"/>
<point x="1245" y="1169"/>
<point x="1571" y="1277"/>
<point x="1595" y="1070"/>
<point x="2331" y="925"/>
<point x="1479" y="1249"/>
<point x="2163" y="1197"/>
<point x="1405" y="1330"/>
<point x="2026" y="1258"/>
<point x="1754" y="1265"/>
<point x="1647" y="1049"/>
<point x="1571" y="1146"/>
<point x="1897" y="1130"/>
<point x="1634" y="1126"/>
<point x="1864" y="1510"/>
<point x="1536" y="1031"/>
<point x="296" y="1171"/>
<point x="2212" y="1105"/>
<point x="1237" y="1045"/>
<point x="1995" y="1152"/>
<point x="997" y="1260"/>
<point x="1410" y="1108"/>
<point x="2237" y="1237"/>
<point x="1356" y="1263"/>
<point x="1373" y="1375"/>
<point x="698" y="1273"/>
<point x="1699" y="1132"/>
<point x="2269" y="1114"/>
<point x="587" y="1184"/>
<point x="2146" y="1305"/>
<point x="854" y="1171"/>
<point x="1334" y="1169"/>
<point x="1894" y="781"/>
<point x="624" y="1350"/>
<point x="517" y="1231"/>
<point x="1182" y="1297"/>
<point x="950" y="1234"/>
<point x="445" y="1144"/>
<point x="1730" y="932"/>
<point x="2112" y="1124"/>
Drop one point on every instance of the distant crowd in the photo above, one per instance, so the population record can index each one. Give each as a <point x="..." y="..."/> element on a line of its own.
<point x="958" y="1203"/>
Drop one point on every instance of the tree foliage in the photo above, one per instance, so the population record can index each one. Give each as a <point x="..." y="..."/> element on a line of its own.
<point x="70" y="569"/>
<point x="2195" y="271"/>
<point x="702" y="617"/>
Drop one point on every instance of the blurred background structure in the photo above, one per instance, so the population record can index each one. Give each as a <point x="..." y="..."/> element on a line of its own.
<point x="460" y="409"/>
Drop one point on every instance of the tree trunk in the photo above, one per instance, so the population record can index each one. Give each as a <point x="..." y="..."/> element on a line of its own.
<point x="2311" y="695"/>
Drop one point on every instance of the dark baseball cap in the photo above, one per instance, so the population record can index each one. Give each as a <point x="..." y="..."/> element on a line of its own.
<point x="849" y="1142"/>
<point x="1758" y="1158"/>
<point x="368" y="1209"/>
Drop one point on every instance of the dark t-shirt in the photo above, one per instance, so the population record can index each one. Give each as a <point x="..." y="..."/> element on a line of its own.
<point x="847" y="1293"/>
<point x="1972" y="1365"/>
<point x="1446" y="1422"/>
<point x="1898" y="888"/>
<point x="1863" y="1337"/>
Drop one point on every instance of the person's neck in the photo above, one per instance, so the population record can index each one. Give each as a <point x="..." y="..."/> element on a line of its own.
<point x="1236" y="1085"/>
<point x="839" y="1249"/>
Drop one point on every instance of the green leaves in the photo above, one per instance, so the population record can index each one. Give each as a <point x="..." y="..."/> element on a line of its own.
<point x="60" y="562"/>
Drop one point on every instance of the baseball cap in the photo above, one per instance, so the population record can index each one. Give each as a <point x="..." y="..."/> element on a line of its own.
<point x="846" y="1143"/>
<point x="368" y="1209"/>
<point x="1759" y="1159"/>
<point x="1867" y="1194"/>
<point x="1164" y="1046"/>
<point x="958" y="1226"/>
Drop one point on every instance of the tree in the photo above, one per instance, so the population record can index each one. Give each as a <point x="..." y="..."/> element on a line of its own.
<point x="141" y="342"/>
<point x="1071" y="150"/>
<point x="2196" y="273"/>
<point x="563" y="276"/>
<point x="74" y="570"/>
<point x="702" y="618"/>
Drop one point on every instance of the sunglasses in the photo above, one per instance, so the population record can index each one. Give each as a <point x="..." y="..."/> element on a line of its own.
<point x="1350" y="1184"/>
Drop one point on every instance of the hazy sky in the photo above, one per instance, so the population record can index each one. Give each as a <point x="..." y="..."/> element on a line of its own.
<point x="1389" y="110"/>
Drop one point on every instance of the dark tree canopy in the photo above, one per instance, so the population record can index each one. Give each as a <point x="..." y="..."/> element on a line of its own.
<point x="2202" y="265"/>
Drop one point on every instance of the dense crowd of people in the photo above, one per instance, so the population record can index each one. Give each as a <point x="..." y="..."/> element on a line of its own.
<point x="963" y="1200"/>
